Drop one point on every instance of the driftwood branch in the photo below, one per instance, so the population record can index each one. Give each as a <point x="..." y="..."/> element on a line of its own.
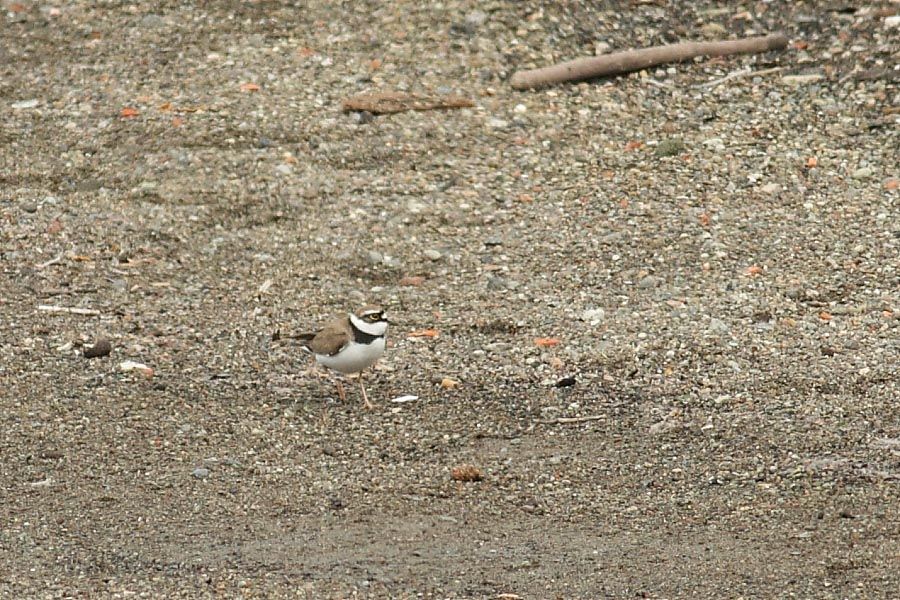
<point x="381" y="103"/>
<point x="635" y="60"/>
<point x="569" y="420"/>
<point x="51" y="308"/>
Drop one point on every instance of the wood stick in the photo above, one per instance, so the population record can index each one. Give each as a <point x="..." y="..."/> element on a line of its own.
<point x="635" y="60"/>
<point x="738" y="75"/>
<point x="88" y="312"/>
<point x="52" y="261"/>
<point x="567" y="420"/>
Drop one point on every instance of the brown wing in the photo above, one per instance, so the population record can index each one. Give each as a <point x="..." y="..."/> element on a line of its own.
<point x="332" y="338"/>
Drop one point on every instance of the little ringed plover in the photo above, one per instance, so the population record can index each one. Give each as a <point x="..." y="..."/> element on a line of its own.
<point x="350" y="344"/>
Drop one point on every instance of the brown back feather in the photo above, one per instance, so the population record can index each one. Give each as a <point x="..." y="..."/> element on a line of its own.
<point x="332" y="338"/>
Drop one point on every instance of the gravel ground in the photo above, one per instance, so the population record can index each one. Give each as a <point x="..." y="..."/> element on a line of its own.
<point x="714" y="264"/>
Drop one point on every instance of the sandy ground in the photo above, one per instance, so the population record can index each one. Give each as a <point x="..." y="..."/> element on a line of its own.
<point x="712" y="264"/>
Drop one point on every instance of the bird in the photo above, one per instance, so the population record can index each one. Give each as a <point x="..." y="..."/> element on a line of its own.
<point x="349" y="344"/>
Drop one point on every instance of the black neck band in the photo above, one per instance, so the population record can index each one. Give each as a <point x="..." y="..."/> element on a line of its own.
<point x="361" y="337"/>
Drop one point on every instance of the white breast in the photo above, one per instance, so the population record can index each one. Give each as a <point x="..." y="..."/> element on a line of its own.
<point x="354" y="358"/>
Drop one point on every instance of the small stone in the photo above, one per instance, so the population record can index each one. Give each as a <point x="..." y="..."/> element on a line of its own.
<point x="612" y="238"/>
<point x="449" y="384"/>
<point x="102" y="347"/>
<point x="496" y="347"/>
<point x="200" y="473"/>
<point x="412" y="281"/>
<point x="593" y="315"/>
<point x="284" y="169"/>
<point x="648" y="282"/>
<point x="495" y="123"/>
<point x="565" y="382"/>
<point x="151" y="21"/>
<point x="771" y="188"/>
<point x="712" y="30"/>
<point x="520" y="108"/>
<point x="375" y="257"/>
<point x="432" y="254"/>
<point x="363" y="117"/>
<point x="24" y="104"/>
<point x="862" y="173"/>
<point x="493" y="241"/>
<point x="718" y="326"/>
<point x="802" y="79"/>
<point x="601" y="48"/>
<point x="497" y="283"/>
<point x="476" y="19"/>
<point x="130" y="365"/>
<point x="892" y="22"/>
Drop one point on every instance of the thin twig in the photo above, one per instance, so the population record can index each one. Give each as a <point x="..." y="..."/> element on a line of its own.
<point x="52" y="261"/>
<point x="569" y="420"/>
<point x="849" y="75"/>
<point x="89" y="312"/>
<point x="738" y="75"/>
<point x="662" y="84"/>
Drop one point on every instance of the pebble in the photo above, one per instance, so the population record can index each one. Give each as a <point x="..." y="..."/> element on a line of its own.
<point x="802" y="79"/>
<point x="495" y="123"/>
<point x="862" y="173"/>
<point x="363" y="117"/>
<point x="717" y="326"/>
<point x="284" y="169"/>
<point x="771" y="188"/>
<point x="25" y="104"/>
<point x="432" y="254"/>
<point x="593" y="315"/>
<point x="200" y="473"/>
<point x="497" y="347"/>
<point x="476" y="19"/>
<point x="712" y="30"/>
<point x="649" y="282"/>
<point x="151" y="21"/>
<point x="130" y="365"/>
<point x="612" y="238"/>
<point x="102" y="347"/>
<point x="496" y="283"/>
<point x="565" y="382"/>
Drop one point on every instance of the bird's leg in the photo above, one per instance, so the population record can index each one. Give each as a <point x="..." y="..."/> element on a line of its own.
<point x="340" y="389"/>
<point x="315" y="371"/>
<point x="369" y="405"/>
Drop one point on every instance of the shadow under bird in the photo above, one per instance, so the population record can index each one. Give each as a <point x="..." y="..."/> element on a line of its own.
<point x="349" y="344"/>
